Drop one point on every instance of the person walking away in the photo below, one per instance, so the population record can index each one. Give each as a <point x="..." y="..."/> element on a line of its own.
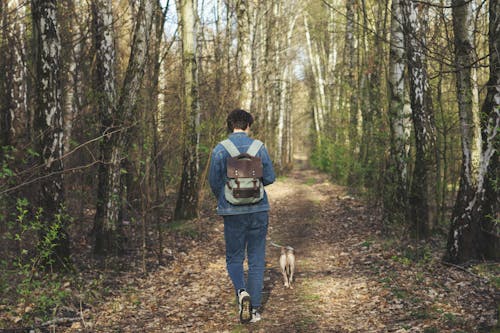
<point x="240" y="167"/>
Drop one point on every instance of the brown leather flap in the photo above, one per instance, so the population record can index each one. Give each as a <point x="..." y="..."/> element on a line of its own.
<point x="246" y="193"/>
<point x="244" y="166"/>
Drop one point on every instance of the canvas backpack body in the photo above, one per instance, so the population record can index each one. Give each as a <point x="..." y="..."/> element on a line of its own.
<point x="244" y="172"/>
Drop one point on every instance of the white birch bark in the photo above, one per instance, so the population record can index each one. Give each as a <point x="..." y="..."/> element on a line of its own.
<point x="399" y="115"/>
<point x="318" y="81"/>
<point x="108" y="196"/>
<point x="423" y="209"/>
<point x="270" y="74"/>
<point x="474" y="231"/>
<point x="17" y="112"/>
<point x="284" y="87"/>
<point x="351" y="53"/>
<point x="73" y="89"/>
<point x="463" y="25"/>
<point x="106" y="59"/>
<point x="107" y="225"/>
<point x="49" y="121"/>
<point x="332" y="61"/>
<point x="244" y="13"/>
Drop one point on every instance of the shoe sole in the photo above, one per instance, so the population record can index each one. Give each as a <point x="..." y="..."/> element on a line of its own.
<point x="246" y="310"/>
<point x="255" y="320"/>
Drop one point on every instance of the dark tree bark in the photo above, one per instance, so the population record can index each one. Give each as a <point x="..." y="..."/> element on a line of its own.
<point x="187" y="201"/>
<point x="49" y="123"/>
<point x="73" y="87"/>
<point x="107" y="230"/>
<point x="396" y="192"/>
<point x="116" y="119"/>
<point x="4" y="125"/>
<point x="474" y="231"/>
<point x="422" y="197"/>
<point x="14" y="104"/>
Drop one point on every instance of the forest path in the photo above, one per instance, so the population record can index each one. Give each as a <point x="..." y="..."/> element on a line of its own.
<point x="348" y="278"/>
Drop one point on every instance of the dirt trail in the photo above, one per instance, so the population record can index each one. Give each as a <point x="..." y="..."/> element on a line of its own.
<point x="348" y="278"/>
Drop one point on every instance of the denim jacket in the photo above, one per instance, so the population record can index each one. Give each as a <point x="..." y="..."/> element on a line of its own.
<point x="218" y="177"/>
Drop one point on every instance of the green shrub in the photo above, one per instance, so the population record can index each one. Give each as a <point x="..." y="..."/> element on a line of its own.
<point x="332" y="158"/>
<point x="36" y="291"/>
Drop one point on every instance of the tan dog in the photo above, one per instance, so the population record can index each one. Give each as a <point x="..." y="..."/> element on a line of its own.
<point x="287" y="264"/>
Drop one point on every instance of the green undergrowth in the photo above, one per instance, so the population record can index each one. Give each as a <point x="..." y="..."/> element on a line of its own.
<point x="27" y="300"/>
<point x="310" y="181"/>
<point x="490" y="271"/>
<point x="333" y="159"/>
<point x="34" y="290"/>
<point x="185" y="228"/>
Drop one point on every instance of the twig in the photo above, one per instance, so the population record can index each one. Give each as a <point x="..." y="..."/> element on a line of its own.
<point x="81" y="315"/>
<point x="57" y="321"/>
<point x="462" y="269"/>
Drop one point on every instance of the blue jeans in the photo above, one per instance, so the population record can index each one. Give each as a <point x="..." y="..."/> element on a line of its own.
<point x="246" y="231"/>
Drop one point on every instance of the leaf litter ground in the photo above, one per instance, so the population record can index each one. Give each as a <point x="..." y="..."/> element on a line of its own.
<point x="349" y="277"/>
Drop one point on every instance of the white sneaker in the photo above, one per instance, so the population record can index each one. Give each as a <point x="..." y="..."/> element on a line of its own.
<point x="245" y="306"/>
<point x="255" y="316"/>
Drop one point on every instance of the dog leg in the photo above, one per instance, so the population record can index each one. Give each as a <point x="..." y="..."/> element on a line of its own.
<point x="283" y="264"/>
<point x="290" y="260"/>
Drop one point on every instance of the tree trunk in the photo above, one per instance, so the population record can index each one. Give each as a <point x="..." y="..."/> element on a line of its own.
<point x="107" y="230"/>
<point x="218" y="58"/>
<point x="73" y="89"/>
<point x="352" y="61"/>
<point x="5" y="81"/>
<point x="331" y="66"/>
<point x="116" y="118"/>
<point x="318" y="109"/>
<point x="396" y="197"/>
<point x="474" y="231"/>
<point x="470" y="130"/>
<point x="14" y="107"/>
<point x="49" y="122"/>
<point x="422" y="194"/>
<point x="187" y="201"/>
<point x="282" y="144"/>
<point x="243" y="13"/>
<point x="152" y="181"/>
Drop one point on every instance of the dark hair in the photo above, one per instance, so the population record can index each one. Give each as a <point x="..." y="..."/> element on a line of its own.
<point x="239" y="118"/>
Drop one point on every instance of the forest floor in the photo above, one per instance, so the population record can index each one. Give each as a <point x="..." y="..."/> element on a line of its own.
<point x="349" y="277"/>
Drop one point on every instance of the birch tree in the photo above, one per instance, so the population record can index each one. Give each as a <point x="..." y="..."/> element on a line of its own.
<point x="15" y="119"/>
<point x="187" y="201"/>
<point x="318" y="107"/>
<point x="116" y="117"/>
<point x="285" y="81"/>
<point x="474" y="231"/>
<point x="463" y="25"/>
<point x="422" y="193"/>
<point x="400" y="120"/>
<point x="49" y="123"/>
<point x="218" y="56"/>
<point x="73" y="90"/>
<point x="2" y="68"/>
<point x="244" y="15"/>
<point x="350" y="56"/>
<point x="108" y="199"/>
<point x="5" y="116"/>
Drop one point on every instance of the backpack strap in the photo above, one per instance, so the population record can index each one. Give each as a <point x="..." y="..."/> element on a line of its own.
<point x="230" y="147"/>
<point x="254" y="147"/>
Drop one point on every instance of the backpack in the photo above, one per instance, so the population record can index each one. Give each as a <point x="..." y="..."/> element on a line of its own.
<point x="244" y="173"/>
